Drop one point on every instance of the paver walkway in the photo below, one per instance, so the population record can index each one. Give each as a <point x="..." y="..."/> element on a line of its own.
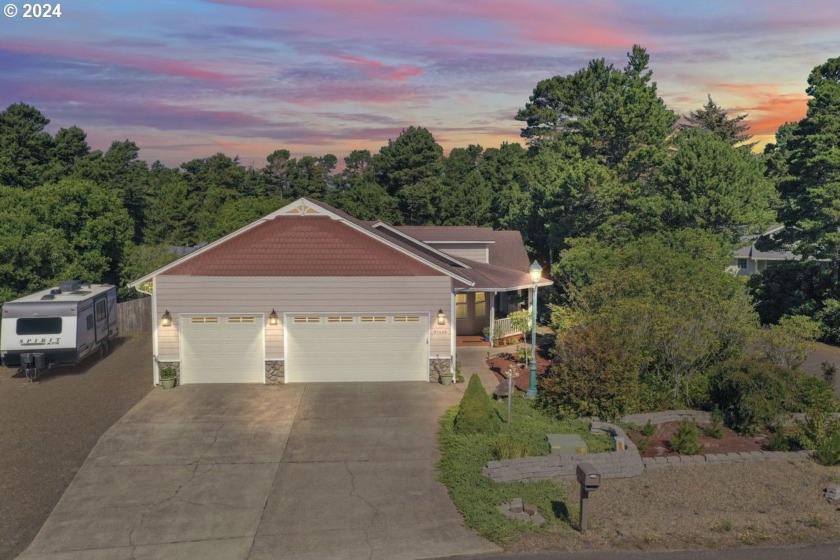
<point x="236" y="472"/>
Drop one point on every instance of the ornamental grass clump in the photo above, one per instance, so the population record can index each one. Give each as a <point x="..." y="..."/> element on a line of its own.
<point x="476" y="414"/>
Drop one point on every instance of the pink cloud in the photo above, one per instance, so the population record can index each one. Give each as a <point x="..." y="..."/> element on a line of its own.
<point x="168" y="67"/>
<point x="585" y="24"/>
<point x="380" y="70"/>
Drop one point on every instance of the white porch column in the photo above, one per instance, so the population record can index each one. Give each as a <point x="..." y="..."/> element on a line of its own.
<point x="453" y="334"/>
<point x="492" y="317"/>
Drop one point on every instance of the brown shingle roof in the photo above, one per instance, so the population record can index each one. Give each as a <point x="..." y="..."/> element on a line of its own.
<point x="506" y="251"/>
<point x="302" y="246"/>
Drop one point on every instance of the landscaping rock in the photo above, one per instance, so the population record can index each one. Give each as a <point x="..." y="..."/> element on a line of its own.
<point x="832" y="494"/>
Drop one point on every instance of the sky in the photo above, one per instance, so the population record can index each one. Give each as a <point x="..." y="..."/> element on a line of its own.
<point x="187" y="79"/>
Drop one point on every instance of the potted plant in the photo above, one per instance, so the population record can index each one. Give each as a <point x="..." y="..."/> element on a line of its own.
<point x="167" y="377"/>
<point x="486" y="331"/>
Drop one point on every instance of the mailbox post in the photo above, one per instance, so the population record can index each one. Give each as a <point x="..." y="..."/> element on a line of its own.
<point x="589" y="479"/>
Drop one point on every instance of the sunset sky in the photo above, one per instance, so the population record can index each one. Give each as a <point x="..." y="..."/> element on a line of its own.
<point x="246" y="77"/>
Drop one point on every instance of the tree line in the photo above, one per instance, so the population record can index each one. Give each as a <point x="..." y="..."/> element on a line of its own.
<point x="605" y="163"/>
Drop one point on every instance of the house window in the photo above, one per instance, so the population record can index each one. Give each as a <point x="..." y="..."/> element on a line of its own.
<point x="460" y="306"/>
<point x="480" y="304"/>
<point x="742" y="263"/>
<point x="100" y="310"/>
<point x="89" y="320"/>
<point x="241" y="320"/>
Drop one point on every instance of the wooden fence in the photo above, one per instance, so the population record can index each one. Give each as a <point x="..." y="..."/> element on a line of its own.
<point x="135" y="315"/>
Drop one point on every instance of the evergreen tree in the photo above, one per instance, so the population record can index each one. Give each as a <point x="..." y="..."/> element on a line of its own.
<point x="25" y="147"/>
<point x="811" y="193"/>
<point x="714" y="118"/>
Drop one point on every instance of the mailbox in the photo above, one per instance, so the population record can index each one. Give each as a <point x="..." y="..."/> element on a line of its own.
<point x="589" y="478"/>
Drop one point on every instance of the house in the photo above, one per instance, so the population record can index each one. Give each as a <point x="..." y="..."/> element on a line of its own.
<point x="311" y="294"/>
<point x="749" y="259"/>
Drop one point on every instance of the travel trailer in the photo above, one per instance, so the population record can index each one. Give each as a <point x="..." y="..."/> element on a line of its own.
<point x="58" y="326"/>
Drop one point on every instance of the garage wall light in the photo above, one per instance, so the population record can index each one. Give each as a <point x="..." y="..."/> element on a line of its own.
<point x="272" y="318"/>
<point x="441" y="319"/>
<point x="166" y="320"/>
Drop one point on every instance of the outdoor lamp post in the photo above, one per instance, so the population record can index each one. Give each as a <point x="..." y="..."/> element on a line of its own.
<point x="535" y="270"/>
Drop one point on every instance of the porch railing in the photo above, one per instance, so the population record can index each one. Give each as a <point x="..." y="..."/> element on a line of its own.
<point x="503" y="328"/>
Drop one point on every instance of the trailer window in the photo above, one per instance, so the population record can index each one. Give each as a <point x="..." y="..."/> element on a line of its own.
<point x="89" y="322"/>
<point x="100" y="310"/>
<point x="41" y="325"/>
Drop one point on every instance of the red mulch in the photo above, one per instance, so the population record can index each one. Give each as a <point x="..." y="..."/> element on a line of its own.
<point x="499" y="365"/>
<point x="729" y="443"/>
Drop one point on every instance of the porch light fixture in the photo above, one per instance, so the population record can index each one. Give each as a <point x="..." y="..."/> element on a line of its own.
<point x="272" y="318"/>
<point x="441" y="319"/>
<point x="535" y="270"/>
<point x="166" y="320"/>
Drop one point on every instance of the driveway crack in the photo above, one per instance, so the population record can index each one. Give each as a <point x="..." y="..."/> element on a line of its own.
<point x="366" y="502"/>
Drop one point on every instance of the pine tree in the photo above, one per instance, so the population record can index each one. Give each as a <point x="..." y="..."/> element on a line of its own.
<point x="715" y="119"/>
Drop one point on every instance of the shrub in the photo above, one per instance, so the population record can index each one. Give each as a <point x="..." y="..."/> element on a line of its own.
<point x="686" y="440"/>
<point x="715" y="429"/>
<point x="829" y="372"/>
<point x="648" y="429"/>
<point x="476" y="414"/>
<point x="829" y="319"/>
<point x="821" y="433"/>
<point x="591" y="376"/>
<point x="788" y="343"/>
<point x="752" y="393"/>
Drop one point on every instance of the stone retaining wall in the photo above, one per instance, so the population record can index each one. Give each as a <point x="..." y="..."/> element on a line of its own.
<point x="656" y="418"/>
<point x="616" y="464"/>
<point x="719" y="458"/>
<point x="622" y="464"/>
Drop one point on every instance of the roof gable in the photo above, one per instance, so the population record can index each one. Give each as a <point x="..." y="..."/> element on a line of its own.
<point x="302" y="245"/>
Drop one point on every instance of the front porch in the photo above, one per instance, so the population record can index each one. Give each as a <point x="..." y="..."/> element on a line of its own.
<point x="483" y="314"/>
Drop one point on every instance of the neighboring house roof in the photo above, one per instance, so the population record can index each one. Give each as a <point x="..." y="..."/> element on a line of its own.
<point x="311" y="238"/>
<point x="302" y="246"/>
<point x="749" y="249"/>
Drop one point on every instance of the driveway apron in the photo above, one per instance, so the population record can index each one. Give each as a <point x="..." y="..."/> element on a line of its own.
<point x="238" y="471"/>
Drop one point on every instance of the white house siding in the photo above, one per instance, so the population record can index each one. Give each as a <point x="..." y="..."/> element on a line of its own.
<point x="223" y="294"/>
<point x="473" y="251"/>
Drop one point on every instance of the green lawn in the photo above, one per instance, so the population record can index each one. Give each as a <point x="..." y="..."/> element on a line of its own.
<point x="477" y="497"/>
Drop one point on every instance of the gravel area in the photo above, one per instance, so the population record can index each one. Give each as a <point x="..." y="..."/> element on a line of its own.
<point x="48" y="428"/>
<point x="768" y="503"/>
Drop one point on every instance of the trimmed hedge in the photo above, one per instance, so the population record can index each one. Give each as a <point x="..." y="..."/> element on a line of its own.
<point x="476" y="414"/>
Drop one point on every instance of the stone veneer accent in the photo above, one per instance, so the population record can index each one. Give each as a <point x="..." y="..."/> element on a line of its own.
<point x="437" y="366"/>
<point x="275" y="371"/>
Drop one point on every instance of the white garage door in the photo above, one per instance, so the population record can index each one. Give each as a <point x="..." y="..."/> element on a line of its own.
<point x="222" y="349"/>
<point x="383" y="347"/>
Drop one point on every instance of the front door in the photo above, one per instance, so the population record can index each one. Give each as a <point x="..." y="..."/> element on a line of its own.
<point x="472" y="312"/>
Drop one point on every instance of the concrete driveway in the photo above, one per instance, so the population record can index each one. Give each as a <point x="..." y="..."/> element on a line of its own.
<point x="236" y="472"/>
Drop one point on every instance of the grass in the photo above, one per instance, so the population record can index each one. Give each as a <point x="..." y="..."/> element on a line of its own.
<point x="477" y="497"/>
